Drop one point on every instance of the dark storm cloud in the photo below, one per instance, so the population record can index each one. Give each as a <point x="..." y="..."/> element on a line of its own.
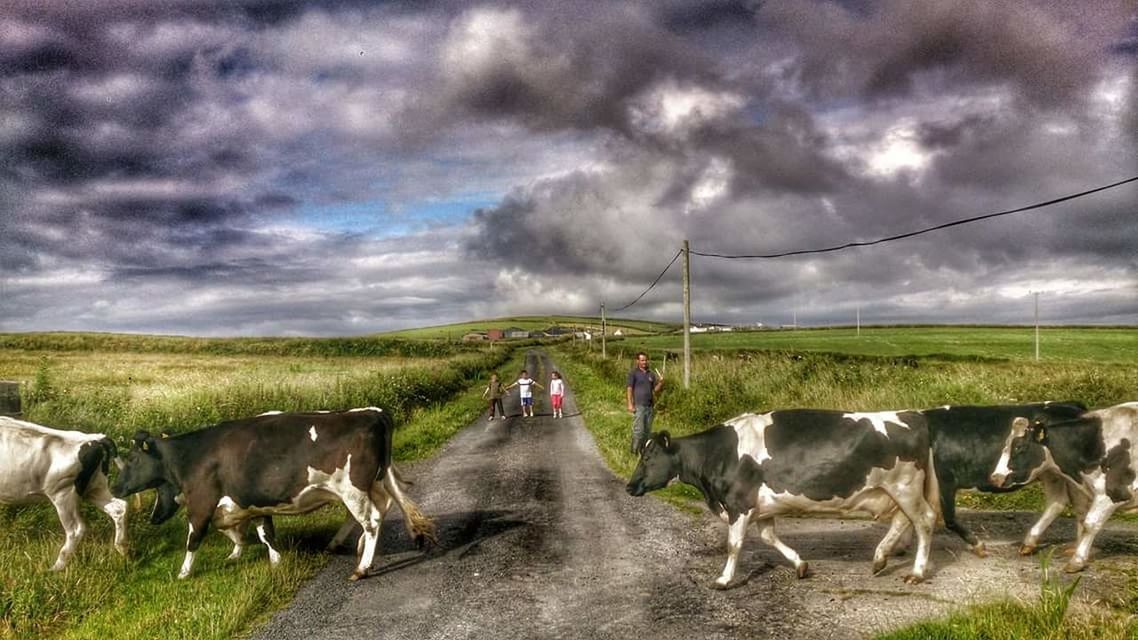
<point x="177" y="151"/>
<point x="1043" y="49"/>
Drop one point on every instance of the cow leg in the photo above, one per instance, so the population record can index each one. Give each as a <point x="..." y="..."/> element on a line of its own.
<point x="766" y="532"/>
<point x="367" y="514"/>
<point x="948" y="510"/>
<point x="199" y="524"/>
<point x="912" y="502"/>
<point x="1081" y="505"/>
<point x="1102" y="507"/>
<point x="115" y="508"/>
<point x="736" y="531"/>
<point x="1055" y="489"/>
<point x="897" y="529"/>
<point x="66" y="504"/>
<point x="236" y="534"/>
<point x="343" y="533"/>
<point x="268" y="535"/>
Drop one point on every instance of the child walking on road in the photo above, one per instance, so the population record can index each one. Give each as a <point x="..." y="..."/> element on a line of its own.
<point x="494" y="393"/>
<point x="525" y="385"/>
<point x="556" y="393"/>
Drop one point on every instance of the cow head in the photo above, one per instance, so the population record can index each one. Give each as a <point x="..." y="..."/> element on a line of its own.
<point x="1023" y="453"/>
<point x="142" y="468"/>
<point x="165" y="503"/>
<point x="658" y="464"/>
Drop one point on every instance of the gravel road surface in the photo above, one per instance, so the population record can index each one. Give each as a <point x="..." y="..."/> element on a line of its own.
<point x="538" y="539"/>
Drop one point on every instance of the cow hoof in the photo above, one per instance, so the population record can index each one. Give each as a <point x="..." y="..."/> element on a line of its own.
<point x="802" y="570"/>
<point x="1074" y="567"/>
<point x="879" y="566"/>
<point x="980" y="550"/>
<point x="356" y="575"/>
<point x="1069" y="550"/>
<point x="1027" y="549"/>
<point x="912" y="579"/>
<point x="720" y="585"/>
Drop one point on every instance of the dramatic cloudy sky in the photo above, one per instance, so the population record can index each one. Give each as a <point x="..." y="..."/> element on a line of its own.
<point x="339" y="167"/>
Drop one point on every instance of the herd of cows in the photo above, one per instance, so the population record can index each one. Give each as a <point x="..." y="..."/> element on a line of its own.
<point x="904" y="464"/>
<point x="907" y="465"/>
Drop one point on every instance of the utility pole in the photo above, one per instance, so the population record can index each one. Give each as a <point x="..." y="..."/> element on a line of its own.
<point x="604" y="330"/>
<point x="687" y="316"/>
<point x="1036" y="326"/>
<point x="859" y="321"/>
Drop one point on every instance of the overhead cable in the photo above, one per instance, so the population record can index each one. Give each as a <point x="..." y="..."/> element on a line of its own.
<point x="946" y="225"/>
<point x="653" y="283"/>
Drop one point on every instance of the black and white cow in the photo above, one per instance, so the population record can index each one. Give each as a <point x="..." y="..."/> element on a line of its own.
<point x="967" y="442"/>
<point x="759" y="466"/>
<point x="275" y="464"/>
<point x="63" y="467"/>
<point x="1088" y="462"/>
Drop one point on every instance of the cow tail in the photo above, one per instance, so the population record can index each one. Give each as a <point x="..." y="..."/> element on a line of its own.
<point x="932" y="491"/>
<point x="94" y="456"/>
<point x="419" y="526"/>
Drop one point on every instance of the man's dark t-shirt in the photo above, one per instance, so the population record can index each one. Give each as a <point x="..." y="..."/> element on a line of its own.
<point x="642" y="383"/>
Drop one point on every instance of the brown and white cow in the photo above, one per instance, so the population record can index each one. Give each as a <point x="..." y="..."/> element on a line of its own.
<point x="64" y="467"/>
<point x="251" y="469"/>
<point x="1088" y="462"/>
<point x="759" y="466"/>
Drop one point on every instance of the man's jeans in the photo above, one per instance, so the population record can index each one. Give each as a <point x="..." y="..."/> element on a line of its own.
<point x="641" y="427"/>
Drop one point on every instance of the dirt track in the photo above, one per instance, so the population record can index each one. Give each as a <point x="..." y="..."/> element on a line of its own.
<point x="538" y="539"/>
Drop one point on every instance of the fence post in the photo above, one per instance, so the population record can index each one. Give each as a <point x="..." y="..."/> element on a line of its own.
<point x="9" y="398"/>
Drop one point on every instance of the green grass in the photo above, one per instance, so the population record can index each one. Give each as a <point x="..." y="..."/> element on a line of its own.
<point x="1057" y="344"/>
<point x="727" y="382"/>
<point x="531" y="323"/>
<point x="103" y="595"/>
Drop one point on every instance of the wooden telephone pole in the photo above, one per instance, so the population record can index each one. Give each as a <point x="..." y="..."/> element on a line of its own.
<point x="687" y="316"/>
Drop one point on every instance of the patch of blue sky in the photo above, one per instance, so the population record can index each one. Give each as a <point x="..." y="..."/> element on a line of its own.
<point x="381" y="218"/>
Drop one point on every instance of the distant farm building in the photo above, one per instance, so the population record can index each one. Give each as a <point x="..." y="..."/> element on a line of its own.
<point x="494" y="334"/>
<point x="475" y="337"/>
<point x="514" y="332"/>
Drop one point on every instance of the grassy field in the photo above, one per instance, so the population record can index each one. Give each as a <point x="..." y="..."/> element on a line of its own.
<point x="74" y="381"/>
<point x="116" y="384"/>
<point x="728" y="379"/>
<point x="1056" y="344"/>
<point x="533" y="323"/>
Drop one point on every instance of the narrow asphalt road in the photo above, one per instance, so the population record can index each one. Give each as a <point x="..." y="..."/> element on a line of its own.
<point x="538" y="539"/>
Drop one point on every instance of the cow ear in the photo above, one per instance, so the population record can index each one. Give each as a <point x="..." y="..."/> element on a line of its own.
<point x="140" y="437"/>
<point x="1040" y="434"/>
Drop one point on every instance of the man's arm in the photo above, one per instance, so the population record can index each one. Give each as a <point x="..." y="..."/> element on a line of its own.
<point x="628" y="394"/>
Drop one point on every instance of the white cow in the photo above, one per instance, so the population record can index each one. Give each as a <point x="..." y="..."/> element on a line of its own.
<point x="38" y="463"/>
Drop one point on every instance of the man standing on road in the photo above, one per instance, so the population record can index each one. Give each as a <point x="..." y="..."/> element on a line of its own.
<point x="643" y="385"/>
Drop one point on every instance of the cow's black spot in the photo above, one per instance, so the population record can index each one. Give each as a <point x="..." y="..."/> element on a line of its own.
<point x="1119" y="473"/>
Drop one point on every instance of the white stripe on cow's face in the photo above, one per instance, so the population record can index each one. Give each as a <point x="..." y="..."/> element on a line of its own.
<point x="1003" y="466"/>
<point x="312" y="432"/>
<point x="878" y="420"/>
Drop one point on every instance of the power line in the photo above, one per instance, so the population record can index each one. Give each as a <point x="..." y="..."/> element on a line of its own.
<point x="653" y="283"/>
<point x="946" y="225"/>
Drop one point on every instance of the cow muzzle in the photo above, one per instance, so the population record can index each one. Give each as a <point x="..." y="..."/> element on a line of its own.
<point x="998" y="479"/>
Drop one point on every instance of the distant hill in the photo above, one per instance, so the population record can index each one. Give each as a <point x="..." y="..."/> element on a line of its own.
<point x="534" y="323"/>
